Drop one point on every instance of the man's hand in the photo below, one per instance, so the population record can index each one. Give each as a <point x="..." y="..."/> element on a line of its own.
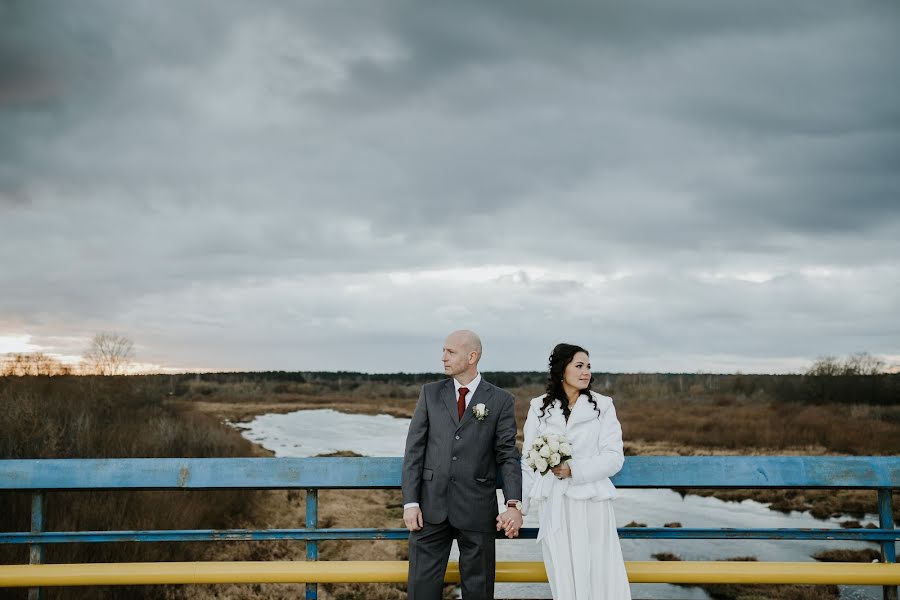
<point x="510" y="522"/>
<point x="412" y="516"/>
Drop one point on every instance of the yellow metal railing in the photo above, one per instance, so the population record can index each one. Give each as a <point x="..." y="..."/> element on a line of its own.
<point x="396" y="572"/>
<point x="881" y="474"/>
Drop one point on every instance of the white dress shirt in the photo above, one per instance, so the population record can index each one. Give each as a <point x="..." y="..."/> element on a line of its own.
<point x="471" y="387"/>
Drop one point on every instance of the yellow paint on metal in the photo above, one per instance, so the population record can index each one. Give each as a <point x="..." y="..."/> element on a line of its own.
<point x="395" y="572"/>
<point x="763" y="572"/>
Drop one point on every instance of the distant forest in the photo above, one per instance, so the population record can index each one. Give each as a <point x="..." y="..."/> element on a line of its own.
<point x="881" y="389"/>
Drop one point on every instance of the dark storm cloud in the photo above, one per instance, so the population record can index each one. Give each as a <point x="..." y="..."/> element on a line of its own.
<point x="267" y="173"/>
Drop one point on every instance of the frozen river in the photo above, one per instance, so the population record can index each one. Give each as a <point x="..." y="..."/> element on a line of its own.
<point x="314" y="432"/>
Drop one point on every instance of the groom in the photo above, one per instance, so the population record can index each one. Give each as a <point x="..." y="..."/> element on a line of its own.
<point x="462" y="432"/>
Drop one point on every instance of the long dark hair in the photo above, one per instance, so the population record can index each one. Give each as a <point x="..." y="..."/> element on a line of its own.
<point x="560" y="358"/>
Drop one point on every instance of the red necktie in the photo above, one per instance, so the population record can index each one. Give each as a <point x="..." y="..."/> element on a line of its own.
<point x="461" y="403"/>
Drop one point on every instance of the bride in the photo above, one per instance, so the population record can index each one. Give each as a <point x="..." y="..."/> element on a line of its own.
<point x="574" y="500"/>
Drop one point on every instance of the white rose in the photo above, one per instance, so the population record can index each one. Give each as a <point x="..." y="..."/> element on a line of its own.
<point x="555" y="459"/>
<point x="529" y="461"/>
<point x="538" y="442"/>
<point x="545" y="452"/>
<point x="541" y="465"/>
<point x="534" y="455"/>
<point x="565" y="448"/>
<point x="554" y="446"/>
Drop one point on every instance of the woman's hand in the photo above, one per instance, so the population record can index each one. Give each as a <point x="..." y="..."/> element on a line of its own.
<point x="562" y="471"/>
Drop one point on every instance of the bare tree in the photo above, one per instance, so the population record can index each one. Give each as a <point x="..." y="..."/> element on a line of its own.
<point x="32" y="363"/>
<point x="861" y="363"/>
<point x="109" y="354"/>
<point x="826" y="365"/>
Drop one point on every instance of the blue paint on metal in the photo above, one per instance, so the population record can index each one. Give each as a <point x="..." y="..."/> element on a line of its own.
<point x="36" y="551"/>
<point x="886" y="521"/>
<point x="312" y="547"/>
<point x="203" y="535"/>
<point x="312" y="474"/>
<point x="200" y="473"/>
<point x="353" y="472"/>
<point x="313" y="534"/>
<point x="759" y="472"/>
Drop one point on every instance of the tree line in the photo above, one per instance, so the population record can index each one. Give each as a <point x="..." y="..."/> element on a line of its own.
<point x="858" y="378"/>
<point x="107" y="354"/>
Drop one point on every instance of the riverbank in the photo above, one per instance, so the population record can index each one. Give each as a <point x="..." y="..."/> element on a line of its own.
<point x="163" y="417"/>
<point x="659" y="507"/>
<point x="663" y="428"/>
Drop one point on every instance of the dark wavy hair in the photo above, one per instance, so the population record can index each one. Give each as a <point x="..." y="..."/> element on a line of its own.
<point x="560" y="358"/>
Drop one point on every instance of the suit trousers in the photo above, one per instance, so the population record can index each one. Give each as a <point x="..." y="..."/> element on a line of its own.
<point x="429" y="550"/>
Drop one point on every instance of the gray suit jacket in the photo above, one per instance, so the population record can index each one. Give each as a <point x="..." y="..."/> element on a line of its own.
<point x="450" y="465"/>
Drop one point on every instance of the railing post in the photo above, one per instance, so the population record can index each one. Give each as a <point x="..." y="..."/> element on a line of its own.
<point x="312" y="547"/>
<point x="36" y="551"/>
<point x="888" y="547"/>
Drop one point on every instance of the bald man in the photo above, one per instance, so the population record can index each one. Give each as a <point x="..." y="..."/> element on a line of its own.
<point x="462" y="432"/>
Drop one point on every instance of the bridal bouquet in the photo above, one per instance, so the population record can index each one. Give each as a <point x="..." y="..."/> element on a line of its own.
<point x="548" y="451"/>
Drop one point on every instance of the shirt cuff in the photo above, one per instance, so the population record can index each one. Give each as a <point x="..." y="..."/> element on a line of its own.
<point x="410" y="505"/>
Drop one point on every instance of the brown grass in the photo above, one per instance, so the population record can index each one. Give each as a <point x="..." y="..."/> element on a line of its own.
<point x="655" y="422"/>
<point x="865" y="555"/>
<point x="731" y="591"/>
<point x="337" y="508"/>
<point x="771" y="592"/>
<point x="666" y="556"/>
<point x="710" y="426"/>
<point x="94" y="417"/>
<point x="851" y="524"/>
<point x="243" y="401"/>
<point x="736" y="426"/>
<point x="66" y="417"/>
<point x="821" y="504"/>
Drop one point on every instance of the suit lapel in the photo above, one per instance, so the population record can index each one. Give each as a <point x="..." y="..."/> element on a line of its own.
<point x="482" y="395"/>
<point x="450" y="401"/>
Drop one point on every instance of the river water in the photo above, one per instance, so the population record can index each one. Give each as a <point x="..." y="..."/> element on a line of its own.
<point x="313" y="432"/>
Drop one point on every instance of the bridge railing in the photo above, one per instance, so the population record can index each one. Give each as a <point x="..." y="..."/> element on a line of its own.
<point x="39" y="477"/>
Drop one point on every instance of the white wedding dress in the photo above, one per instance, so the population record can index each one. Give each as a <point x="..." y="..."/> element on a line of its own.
<point x="577" y="533"/>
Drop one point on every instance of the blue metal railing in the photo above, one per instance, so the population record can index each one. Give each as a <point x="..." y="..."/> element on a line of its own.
<point x="312" y="474"/>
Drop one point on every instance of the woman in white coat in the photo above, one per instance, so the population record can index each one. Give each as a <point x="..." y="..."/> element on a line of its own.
<point x="577" y="531"/>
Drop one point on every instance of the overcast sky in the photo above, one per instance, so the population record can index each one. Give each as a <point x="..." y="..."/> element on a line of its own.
<point x="676" y="185"/>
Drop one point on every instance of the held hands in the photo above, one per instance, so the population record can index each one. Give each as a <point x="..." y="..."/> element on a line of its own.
<point x="510" y="522"/>
<point x="412" y="517"/>
<point x="562" y="471"/>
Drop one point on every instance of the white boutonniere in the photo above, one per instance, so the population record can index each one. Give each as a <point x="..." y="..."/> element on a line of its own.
<point x="480" y="411"/>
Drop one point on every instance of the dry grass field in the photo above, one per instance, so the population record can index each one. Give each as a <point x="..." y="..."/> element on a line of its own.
<point x="653" y="423"/>
<point x="159" y="416"/>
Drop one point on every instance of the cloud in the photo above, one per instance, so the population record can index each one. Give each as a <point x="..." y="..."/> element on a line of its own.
<point x="307" y="186"/>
